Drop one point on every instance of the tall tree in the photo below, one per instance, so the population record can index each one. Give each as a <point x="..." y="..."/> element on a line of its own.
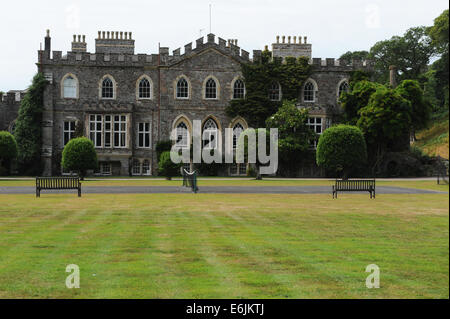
<point x="410" y="53"/>
<point x="294" y="136"/>
<point x="348" y="56"/>
<point x="28" y="131"/>
<point x="438" y="79"/>
<point x="420" y="107"/>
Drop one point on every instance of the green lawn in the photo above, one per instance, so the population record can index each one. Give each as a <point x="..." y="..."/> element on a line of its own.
<point x="224" y="246"/>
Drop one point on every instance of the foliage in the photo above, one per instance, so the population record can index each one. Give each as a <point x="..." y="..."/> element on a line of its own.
<point x="163" y="146"/>
<point x="79" y="156"/>
<point x="420" y="107"/>
<point x="348" y="56"/>
<point x="341" y="150"/>
<point x="357" y="98"/>
<point x="166" y="167"/>
<point x="294" y="135"/>
<point x="439" y="32"/>
<point x="438" y="83"/>
<point x="8" y="151"/>
<point x="28" y="131"/>
<point x="384" y="121"/>
<point x="256" y="107"/>
<point x="410" y="53"/>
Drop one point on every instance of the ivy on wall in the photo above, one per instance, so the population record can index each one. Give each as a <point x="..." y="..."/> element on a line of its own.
<point x="256" y="107"/>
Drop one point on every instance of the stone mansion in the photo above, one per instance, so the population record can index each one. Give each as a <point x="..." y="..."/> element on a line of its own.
<point x="126" y="102"/>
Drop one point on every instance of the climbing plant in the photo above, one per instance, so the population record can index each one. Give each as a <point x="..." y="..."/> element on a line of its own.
<point x="256" y="107"/>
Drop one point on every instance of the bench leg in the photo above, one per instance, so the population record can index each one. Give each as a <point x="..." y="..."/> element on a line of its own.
<point x="38" y="192"/>
<point x="79" y="192"/>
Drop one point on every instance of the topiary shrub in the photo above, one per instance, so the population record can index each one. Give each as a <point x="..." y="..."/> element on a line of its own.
<point x="163" y="146"/>
<point x="166" y="167"/>
<point x="79" y="156"/>
<point x="8" y="151"/>
<point x="341" y="150"/>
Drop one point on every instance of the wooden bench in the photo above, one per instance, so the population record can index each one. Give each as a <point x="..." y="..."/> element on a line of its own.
<point x="354" y="185"/>
<point x="58" y="183"/>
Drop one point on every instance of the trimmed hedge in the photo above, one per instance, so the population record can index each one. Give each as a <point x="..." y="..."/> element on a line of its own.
<point x="341" y="150"/>
<point x="166" y="167"/>
<point x="79" y="156"/>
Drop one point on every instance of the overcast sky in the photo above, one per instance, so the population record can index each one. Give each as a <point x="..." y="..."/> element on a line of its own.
<point x="333" y="27"/>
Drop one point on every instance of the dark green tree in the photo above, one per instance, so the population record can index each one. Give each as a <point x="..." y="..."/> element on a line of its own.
<point x="420" y="107"/>
<point x="28" y="131"/>
<point x="356" y="99"/>
<point x="438" y="79"/>
<point x="410" y="53"/>
<point x="79" y="156"/>
<point x="8" y="151"/>
<point x="341" y="150"/>
<point x="294" y="136"/>
<point x="384" y="121"/>
<point x="348" y="56"/>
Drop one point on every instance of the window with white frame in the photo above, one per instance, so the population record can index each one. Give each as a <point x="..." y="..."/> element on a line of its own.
<point x="144" y="89"/>
<point x="275" y="91"/>
<point x="105" y="168"/>
<point x="108" y="130"/>
<point x="120" y="131"/>
<point x="210" y="134"/>
<point x="136" y="167"/>
<point x="182" y="139"/>
<point x="96" y="129"/>
<point x="237" y="131"/>
<point x="238" y="89"/>
<point x="107" y="88"/>
<point x="308" y="92"/>
<point x="68" y="131"/>
<point x="210" y="89"/>
<point x="182" y="89"/>
<point x="143" y="135"/>
<point x="146" y="167"/>
<point x="343" y="87"/>
<point x="70" y="87"/>
<point x="315" y="123"/>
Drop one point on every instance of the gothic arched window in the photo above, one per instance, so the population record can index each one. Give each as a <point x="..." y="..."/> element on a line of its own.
<point x="343" y="88"/>
<point x="237" y="131"/>
<point x="107" y="88"/>
<point x="308" y="92"/>
<point x="182" y="135"/>
<point x="210" y="89"/>
<point x="182" y="89"/>
<point x="275" y="91"/>
<point x="210" y="134"/>
<point x="145" y="89"/>
<point x="70" y="85"/>
<point x="238" y="89"/>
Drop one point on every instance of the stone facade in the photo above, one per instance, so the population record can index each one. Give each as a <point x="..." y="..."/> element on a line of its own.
<point x="114" y="58"/>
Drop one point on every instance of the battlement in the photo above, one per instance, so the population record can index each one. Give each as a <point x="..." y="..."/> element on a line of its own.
<point x="117" y="48"/>
<point x="292" y="48"/>
<point x="114" y="42"/>
<point x="331" y="62"/>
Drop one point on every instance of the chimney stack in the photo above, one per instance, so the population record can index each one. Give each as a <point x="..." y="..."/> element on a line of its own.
<point x="48" y="45"/>
<point x="392" y="76"/>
